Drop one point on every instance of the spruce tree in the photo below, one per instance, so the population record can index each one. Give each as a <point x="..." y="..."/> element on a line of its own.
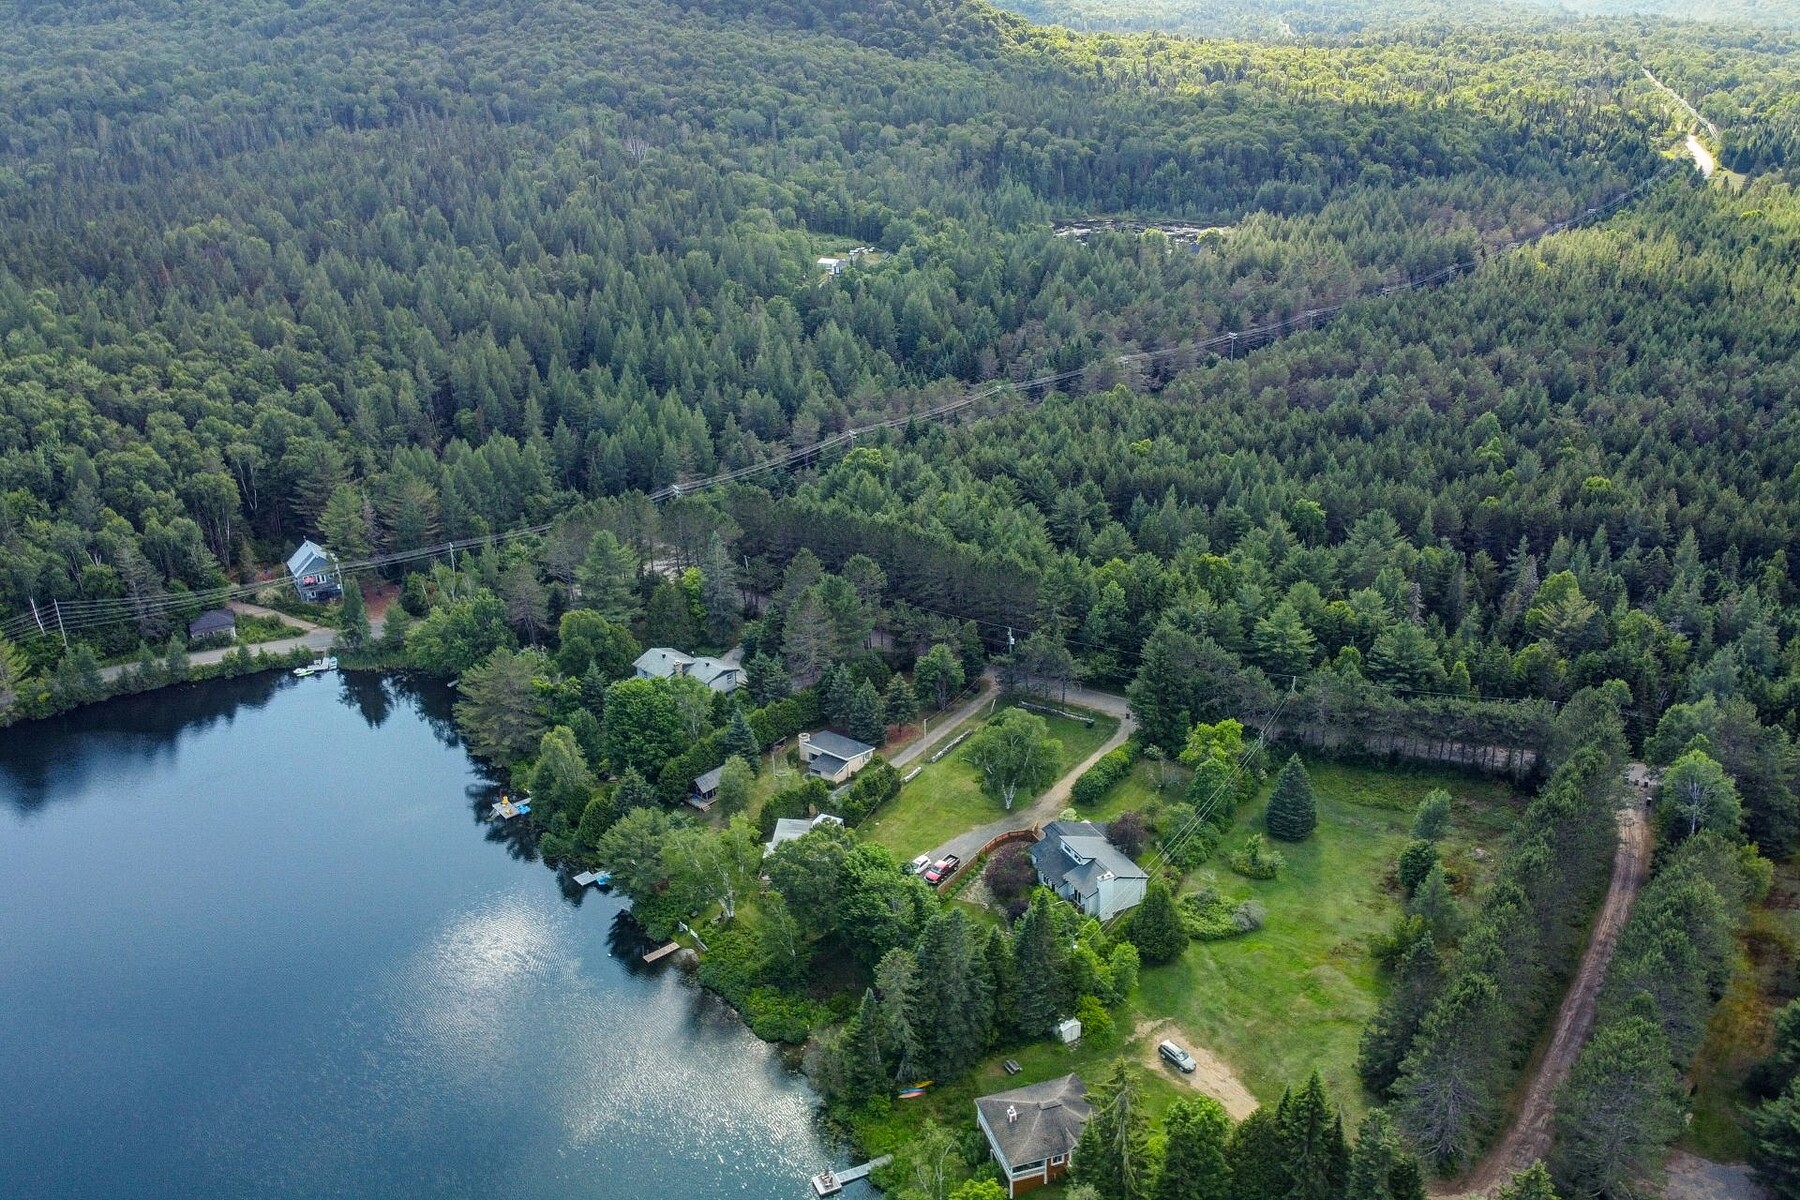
<point x="868" y="722"/>
<point x="353" y="617"/>
<point x="633" y="791"/>
<point x="1416" y="859"/>
<point x="1432" y="820"/>
<point x="1156" y="927"/>
<point x="1113" y="1156"/>
<point x="1039" y="957"/>
<point x="901" y="701"/>
<point x="1433" y="904"/>
<point x="898" y="1018"/>
<point x="1197" y="1131"/>
<point x="740" y="739"/>
<point x="1381" y="1167"/>
<point x="1389" y="1035"/>
<point x="835" y="694"/>
<point x="1293" y="811"/>
<point x="1312" y="1140"/>
<point x="859" y="1054"/>
<point x="1776" y="1153"/>
<point x="1256" y="1156"/>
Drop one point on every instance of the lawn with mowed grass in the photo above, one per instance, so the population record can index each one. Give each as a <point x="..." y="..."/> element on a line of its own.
<point x="1294" y="996"/>
<point x="946" y="799"/>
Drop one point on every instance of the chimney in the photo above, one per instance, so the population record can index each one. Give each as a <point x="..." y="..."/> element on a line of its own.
<point x="1012" y="1114"/>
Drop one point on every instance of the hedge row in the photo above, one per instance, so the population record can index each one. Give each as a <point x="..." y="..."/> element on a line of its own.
<point x="1104" y="775"/>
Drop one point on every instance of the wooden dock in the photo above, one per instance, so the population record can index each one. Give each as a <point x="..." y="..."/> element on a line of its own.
<point x="662" y="952"/>
<point x="829" y="1183"/>
<point x="600" y="877"/>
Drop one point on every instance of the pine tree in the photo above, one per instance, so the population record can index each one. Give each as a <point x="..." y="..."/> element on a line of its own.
<point x="1113" y="1156"/>
<point x="1256" y="1156"/>
<point x="867" y="722"/>
<point x="719" y="590"/>
<point x="1776" y="1153"/>
<point x="1193" y="1166"/>
<point x="957" y="1003"/>
<point x="633" y="791"/>
<point x="897" y="1020"/>
<point x="608" y="579"/>
<point x="1293" y="811"/>
<point x="1432" y="820"/>
<point x="1618" y="1110"/>
<point x="1533" y="1183"/>
<point x="740" y="739"/>
<point x="1157" y="929"/>
<point x="1389" y="1035"/>
<point x="766" y="678"/>
<point x="1312" y="1139"/>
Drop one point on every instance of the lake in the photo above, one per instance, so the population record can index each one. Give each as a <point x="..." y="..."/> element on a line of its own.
<point x="257" y="940"/>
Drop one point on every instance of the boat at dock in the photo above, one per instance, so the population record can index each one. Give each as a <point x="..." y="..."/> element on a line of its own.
<point x="506" y="808"/>
<point x="316" y="667"/>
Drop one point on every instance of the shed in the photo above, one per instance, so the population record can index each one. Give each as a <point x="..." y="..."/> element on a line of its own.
<point x="212" y="623"/>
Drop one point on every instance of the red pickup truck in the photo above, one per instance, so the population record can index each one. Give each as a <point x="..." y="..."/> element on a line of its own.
<point x="940" y="870"/>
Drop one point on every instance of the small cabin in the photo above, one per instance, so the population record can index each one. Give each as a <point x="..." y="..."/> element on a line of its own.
<point x="219" y="623"/>
<point x="833" y="757"/>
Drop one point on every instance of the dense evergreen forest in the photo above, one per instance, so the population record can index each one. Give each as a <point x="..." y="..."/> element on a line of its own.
<point x="388" y="274"/>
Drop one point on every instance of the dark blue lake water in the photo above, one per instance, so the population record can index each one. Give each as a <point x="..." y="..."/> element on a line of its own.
<point x="255" y="940"/>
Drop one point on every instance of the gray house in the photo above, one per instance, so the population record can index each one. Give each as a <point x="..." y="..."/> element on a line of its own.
<point x="832" y="756"/>
<point x="212" y="623"/>
<point x="1033" y="1130"/>
<point x="1074" y="860"/>
<point x="665" y="662"/>
<point x="314" y="576"/>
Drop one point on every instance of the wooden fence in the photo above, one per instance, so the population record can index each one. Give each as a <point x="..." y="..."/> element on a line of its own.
<point x="948" y="883"/>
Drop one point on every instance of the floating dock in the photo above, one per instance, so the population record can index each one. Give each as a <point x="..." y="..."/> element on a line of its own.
<point x="662" y="952"/>
<point x="601" y="878"/>
<point x="830" y="1183"/>
<point x="505" y="809"/>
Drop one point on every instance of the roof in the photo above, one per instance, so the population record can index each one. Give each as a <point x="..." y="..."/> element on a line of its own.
<point x="827" y="764"/>
<point x="708" y="669"/>
<point x="837" y="745"/>
<point x="1078" y="853"/>
<point x="788" y="829"/>
<point x="213" y="620"/>
<point x="661" y="661"/>
<point x="709" y="782"/>
<point x="1047" y="1119"/>
<point x="302" y="560"/>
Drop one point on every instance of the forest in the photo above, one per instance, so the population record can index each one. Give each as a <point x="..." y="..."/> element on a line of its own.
<point x="394" y="275"/>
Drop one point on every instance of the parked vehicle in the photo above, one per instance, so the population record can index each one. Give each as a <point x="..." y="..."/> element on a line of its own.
<point x="1175" y="1054"/>
<point x="940" y="870"/>
<point x="917" y="866"/>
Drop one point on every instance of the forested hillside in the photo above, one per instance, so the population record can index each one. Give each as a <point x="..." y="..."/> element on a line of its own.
<point x="389" y="273"/>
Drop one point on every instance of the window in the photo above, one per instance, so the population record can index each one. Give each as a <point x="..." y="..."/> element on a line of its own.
<point x="1056" y="1160"/>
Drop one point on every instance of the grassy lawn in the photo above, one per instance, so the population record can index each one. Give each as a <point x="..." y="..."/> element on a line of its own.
<point x="946" y="798"/>
<point x="1294" y="996"/>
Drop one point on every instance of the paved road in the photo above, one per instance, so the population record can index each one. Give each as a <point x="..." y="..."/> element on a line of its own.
<point x="1045" y="808"/>
<point x="1528" y="1139"/>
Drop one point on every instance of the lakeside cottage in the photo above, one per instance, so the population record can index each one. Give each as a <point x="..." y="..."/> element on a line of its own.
<point x="311" y="570"/>
<point x="832" y="756"/>
<point x="1074" y="860"/>
<point x="665" y="662"/>
<point x="1033" y="1130"/>
<point x="214" y="622"/>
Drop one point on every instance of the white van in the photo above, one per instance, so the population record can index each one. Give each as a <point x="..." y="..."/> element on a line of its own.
<point x="1175" y="1054"/>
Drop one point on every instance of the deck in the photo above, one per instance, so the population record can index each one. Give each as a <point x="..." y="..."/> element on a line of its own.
<point x="829" y="1183"/>
<point x="662" y="952"/>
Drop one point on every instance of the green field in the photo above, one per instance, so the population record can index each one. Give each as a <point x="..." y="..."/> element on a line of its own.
<point x="946" y="799"/>
<point x="1294" y="996"/>
<point x="1290" y="998"/>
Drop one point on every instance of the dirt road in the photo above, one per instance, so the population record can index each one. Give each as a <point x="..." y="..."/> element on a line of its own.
<point x="1529" y="1137"/>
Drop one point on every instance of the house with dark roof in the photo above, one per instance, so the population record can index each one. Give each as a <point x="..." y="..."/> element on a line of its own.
<point x="665" y="662"/>
<point x="832" y="756"/>
<point x="313" y="575"/>
<point x="1074" y="860"/>
<point x="214" y="622"/>
<point x="1033" y="1130"/>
